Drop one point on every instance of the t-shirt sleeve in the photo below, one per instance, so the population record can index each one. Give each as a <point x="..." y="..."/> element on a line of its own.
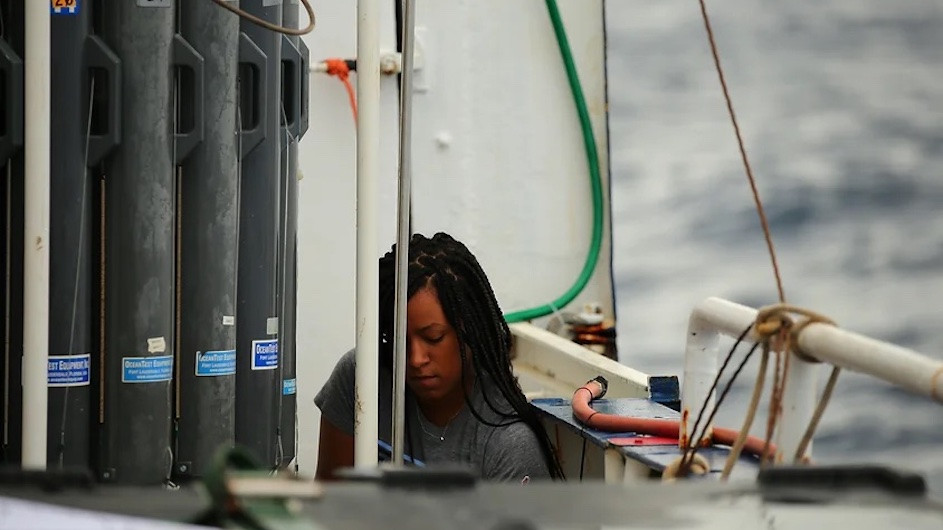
<point x="512" y="454"/>
<point x="336" y="398"/>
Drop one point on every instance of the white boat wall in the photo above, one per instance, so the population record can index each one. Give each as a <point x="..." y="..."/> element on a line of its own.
<point x="498" y="161"/>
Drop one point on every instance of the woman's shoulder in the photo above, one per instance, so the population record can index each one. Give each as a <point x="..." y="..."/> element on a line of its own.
<point x="513" y="435"/>
<point x="348" y="361"/>
<point x="341" y="377"/>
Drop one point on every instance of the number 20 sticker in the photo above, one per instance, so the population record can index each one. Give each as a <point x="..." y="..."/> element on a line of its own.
<point x="64" y="7"/>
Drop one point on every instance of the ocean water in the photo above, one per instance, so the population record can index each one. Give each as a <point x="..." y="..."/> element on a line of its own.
<point x="841" y="109"/>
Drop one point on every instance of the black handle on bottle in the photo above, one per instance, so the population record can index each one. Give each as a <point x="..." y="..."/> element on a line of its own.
<point x="99" y="55"/>
<point x="251" y="55"/>
<point x="185" y="56"/>
<point x="291" y="58"/>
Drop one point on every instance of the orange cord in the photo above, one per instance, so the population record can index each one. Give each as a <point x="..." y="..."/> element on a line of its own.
<point x="583" y="411"/>
<point x="338" y="68"/>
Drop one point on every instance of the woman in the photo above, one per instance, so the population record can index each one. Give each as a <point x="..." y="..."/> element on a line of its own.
<point x="463" y="404"/>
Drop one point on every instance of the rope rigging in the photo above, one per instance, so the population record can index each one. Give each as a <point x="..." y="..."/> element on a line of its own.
<point x="773" y="325"/>
<point x="775" y="331"/>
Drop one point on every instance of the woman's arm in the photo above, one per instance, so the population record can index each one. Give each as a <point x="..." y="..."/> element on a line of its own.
<point x="335" y="450"/>
<point x="336" y="401"/>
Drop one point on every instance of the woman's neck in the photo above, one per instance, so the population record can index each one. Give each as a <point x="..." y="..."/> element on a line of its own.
<point x="443" y="410"/>
<point x="441" y="413"/>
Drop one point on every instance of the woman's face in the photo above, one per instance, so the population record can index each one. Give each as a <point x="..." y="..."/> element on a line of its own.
<point x="434" y="365"/>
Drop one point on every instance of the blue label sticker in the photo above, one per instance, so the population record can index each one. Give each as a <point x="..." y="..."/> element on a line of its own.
<point x="68" y="370"/>
<point x="265" y="354"/>
<point x="64" y="7"/>
<point x="147" y="369"/>
<point x="289" y="387"/>
<point x="214" y="363"/>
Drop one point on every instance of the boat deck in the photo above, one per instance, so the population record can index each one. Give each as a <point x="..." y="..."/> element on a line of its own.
<point x="629" y="454"/>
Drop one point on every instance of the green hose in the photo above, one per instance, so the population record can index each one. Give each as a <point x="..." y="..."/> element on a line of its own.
<point x="592" y="158"/>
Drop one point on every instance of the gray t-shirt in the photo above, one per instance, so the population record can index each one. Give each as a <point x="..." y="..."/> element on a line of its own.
<point x="507" y="453"/>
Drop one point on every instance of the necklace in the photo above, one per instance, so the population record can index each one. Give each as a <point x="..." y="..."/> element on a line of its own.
<point x="440" y="436"/>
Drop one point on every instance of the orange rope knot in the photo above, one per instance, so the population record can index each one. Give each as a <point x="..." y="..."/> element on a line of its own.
<point x="339" y="69"/>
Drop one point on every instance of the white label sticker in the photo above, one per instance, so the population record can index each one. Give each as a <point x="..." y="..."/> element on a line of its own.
<point x="269" y="3"/>
<point x="271" y="325"/>
<point x="156" y="345"/>
<point x="229" y="320"/>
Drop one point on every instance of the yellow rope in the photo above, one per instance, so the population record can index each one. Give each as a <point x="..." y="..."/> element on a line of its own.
<point x="774" y="408"/>
<point x="774" y="322"/>
<point x="777" y="320"/>
<point x="817" y="415"/>
<point x="751" y="414"/>
<point x="743" y="153"/>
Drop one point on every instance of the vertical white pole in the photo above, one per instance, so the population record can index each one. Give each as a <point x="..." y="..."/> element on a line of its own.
<point x="798" y="404"/>
<point x="700" y="370"/>
<point x="36" y="235"/>
<point x="709" y="320"/>
<point x="403" y="230"/>
<point x="366" y="409"/>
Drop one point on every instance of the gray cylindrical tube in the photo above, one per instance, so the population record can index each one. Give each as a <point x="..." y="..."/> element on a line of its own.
<point x="11" y="238"/>
<point x="258" y="386"/>
<point x="139" y="250"/>
<point x="208" y="216"/>
<point x="292" y="71"/>
<point x="72" y="284"/>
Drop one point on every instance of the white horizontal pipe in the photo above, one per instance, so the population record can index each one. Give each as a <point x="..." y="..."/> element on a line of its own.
<point x="715" y="317"/>
<point x="899" y="366"/>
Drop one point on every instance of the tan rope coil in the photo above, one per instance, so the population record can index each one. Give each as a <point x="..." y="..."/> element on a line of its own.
<point x="697" y="466"/>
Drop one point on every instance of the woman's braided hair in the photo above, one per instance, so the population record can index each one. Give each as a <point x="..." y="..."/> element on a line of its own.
<point x="471" y="308"/>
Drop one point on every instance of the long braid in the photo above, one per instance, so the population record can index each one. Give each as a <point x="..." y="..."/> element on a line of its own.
<point x="469" y="304"/>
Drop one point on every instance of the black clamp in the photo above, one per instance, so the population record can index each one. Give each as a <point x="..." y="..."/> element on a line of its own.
<point x="603" y="384"/>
